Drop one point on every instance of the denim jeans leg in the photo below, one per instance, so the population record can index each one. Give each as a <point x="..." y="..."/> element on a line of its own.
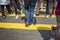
<point x="31" y="10"/>
<point x="31" y="15"/>
<point x="26" y="7"/>
<point x="26" y="16"/>
<point x="55" y="3"/>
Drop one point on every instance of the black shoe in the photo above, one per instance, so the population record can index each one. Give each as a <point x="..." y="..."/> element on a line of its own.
<point x="8" y="13"/>
<point x="3" y="17"/>
<point x="26" y="24"/>
<point x="22" y="18"/>
<point x="34" y="21"/>
<point x="37" y="14"/>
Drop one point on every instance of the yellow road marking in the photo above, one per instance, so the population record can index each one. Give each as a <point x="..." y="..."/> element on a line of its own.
<point x="41" y="15"/>
<point x="22" y="26"/>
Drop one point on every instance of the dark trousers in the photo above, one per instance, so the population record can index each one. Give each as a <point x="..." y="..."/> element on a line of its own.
<point x="7" y="7"/>
<point x="16" y="5"/>
<point x="47" y="7"/>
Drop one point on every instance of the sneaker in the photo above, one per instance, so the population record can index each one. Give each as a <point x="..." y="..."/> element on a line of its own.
<point x="47" y="16"/>
<point x="26" y="23"/>
<point x="16" y="17"/>
<point x="22" y="18"/>
<point x="21" y="11"/>
<point x="3" y="17"/>
<point x="34" y="21"/>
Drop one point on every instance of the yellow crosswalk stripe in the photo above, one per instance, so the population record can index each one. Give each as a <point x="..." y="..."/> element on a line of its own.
<point x="22" y="26"/>
<point x="41" y="15"/>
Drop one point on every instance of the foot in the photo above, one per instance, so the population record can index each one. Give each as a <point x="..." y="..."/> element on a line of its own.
<point x="26" y="23"/>
<point x="37" y="14"/>
<point x="47" y="16"/>
<point x="21" y="11"/>
<point x="34" y="21"/>
<point x="22" y="18"/>
<point x="53" y="31"/>
<point x="16" y="17"/>
<point x="9" y="13"/>
<point x="3" y="17"/>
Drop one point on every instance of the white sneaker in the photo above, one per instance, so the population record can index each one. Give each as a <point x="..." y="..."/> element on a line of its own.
<point x="41" y="9"/>
<point x="47" y="16"/>
<point x="16" y="17"/>
<point x="21" y="11"/>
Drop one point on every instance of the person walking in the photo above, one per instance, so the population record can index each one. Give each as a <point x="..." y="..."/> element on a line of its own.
<point x="4" y="3"/>
<point x="57" y="12"/>
<point x="16" y="5"/>
<point x="47" y="8"/>
<point x="29" y="10"/>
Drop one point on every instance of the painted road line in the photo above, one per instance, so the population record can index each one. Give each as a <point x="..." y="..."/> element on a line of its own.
<point x="22" y="26"/>
<point x="41" y="15"/>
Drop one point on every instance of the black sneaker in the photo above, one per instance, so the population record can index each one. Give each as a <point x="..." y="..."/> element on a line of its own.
<point x="3" y="17"/>
<point x="37" y="14"/>
<point x="26" y="23"/>
<point x="22" y="18"/>
<point x="34" y="21"/>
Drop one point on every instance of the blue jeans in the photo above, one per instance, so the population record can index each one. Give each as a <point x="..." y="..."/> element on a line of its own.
<point x="29" y="9"/>
<point x="54" y="6"/>
<point x="47" y="7"/>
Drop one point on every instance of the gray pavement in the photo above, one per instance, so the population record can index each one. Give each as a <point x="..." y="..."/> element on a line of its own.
<point x="39" y="20"/>
<point x="19" y="34"/>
